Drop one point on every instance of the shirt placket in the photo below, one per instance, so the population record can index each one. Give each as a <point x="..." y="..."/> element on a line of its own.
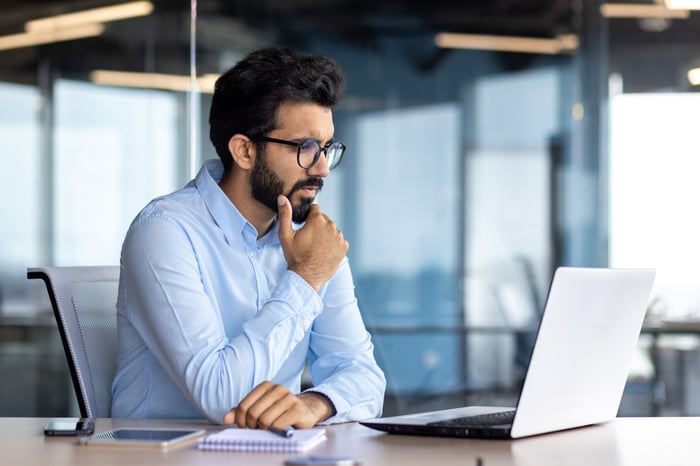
<point x="253" y="251"/>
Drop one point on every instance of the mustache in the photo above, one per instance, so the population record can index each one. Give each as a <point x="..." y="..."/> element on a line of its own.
<point x="314" y="182"/>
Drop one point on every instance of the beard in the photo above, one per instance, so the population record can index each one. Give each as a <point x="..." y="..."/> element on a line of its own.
<point x="266" y="186"/>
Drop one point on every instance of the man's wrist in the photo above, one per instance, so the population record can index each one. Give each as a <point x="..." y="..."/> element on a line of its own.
<point x="319" y="404"/>
<point x="311" y="278"/>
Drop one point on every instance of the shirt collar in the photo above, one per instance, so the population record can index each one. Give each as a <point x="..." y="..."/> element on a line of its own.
<point x="224" y="212"/>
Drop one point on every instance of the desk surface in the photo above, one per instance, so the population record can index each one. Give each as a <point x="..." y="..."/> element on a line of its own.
<point x="625" y="441"/>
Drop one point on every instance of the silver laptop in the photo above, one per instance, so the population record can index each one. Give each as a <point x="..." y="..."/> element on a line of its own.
<point x="578" y="368"/>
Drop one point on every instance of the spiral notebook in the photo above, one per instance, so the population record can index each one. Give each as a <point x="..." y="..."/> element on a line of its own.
<point x="236" y="439"/>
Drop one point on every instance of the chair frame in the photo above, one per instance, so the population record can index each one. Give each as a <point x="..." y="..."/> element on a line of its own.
<point x="58" y="281"/>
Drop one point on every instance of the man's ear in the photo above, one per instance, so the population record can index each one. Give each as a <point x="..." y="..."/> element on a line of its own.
<point x="242" y="150"/>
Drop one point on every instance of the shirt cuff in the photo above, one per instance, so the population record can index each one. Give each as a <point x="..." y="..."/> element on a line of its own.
<point x="299" y="296"/>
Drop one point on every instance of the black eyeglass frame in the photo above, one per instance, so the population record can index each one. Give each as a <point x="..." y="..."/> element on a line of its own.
<point x="300" y="145"/>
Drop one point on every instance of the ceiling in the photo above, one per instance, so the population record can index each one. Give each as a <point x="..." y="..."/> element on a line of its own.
<point x="248" y="24"/>
<point x="251" y="23"/>
<point x="363" y="21"/>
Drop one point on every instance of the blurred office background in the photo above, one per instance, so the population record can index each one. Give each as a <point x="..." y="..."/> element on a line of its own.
<point x="477" y="163"/>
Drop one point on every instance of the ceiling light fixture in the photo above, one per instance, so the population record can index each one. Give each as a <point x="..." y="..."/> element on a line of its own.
<point x="683" y="4"/>
<point x="641" y="10"/>
<point x="560" y="44"/>
<point x="694" y="76"/>
<point x="169" y="82"/>
<point x="71" y="26"/>
<point x="95" y="15"/>
<point x="28" y="39"/>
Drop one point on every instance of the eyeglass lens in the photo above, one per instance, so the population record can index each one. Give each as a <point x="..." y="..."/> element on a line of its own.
<point x="310" y="151"/>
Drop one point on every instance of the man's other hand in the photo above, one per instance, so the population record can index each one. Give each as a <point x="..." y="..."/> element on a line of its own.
<point x="270" y="404"/>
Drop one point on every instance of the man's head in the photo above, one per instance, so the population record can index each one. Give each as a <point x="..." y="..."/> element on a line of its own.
<point x="247" y="97"/>
<point x="271" y="117"/>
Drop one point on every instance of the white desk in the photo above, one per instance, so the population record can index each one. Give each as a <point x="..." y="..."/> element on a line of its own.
<point x="625" y="441"/>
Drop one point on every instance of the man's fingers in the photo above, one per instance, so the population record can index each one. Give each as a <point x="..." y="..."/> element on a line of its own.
<point x="316" y="249"/>
<point x="268" y="407"/>
<point x="277" y="411"/>
<point x="245" y="416"/>
<point x="284" y="210"/>
<point x="270" y="404"/>
<point x="262" y="406"/>
<point x="230" y="417"/>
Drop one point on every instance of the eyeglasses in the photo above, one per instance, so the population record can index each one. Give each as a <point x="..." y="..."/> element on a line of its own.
<point x="309" y="150"/>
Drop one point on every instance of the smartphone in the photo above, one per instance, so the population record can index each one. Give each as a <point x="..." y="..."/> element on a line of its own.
<point x="321" y="461"/>
<point x="64" y="427"/>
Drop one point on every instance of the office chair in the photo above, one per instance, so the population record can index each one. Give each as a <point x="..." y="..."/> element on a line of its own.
<point x="84" y="304"/>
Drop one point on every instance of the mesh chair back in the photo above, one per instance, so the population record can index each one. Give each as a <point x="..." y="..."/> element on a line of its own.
<point x="84" y="304"/>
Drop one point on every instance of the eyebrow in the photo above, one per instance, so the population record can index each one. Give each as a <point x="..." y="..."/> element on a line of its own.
<point x="306" y="138"/>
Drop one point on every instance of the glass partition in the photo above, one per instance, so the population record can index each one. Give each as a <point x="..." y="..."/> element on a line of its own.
<point x="114" y="149"/>
<point x="22" y="202"/>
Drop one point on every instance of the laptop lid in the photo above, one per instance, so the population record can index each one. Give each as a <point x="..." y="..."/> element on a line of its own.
<point x="579" y="364"/>
<point x="584" y="348"/>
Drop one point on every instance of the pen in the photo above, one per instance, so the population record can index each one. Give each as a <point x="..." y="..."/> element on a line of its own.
<point x="286" y="432"/>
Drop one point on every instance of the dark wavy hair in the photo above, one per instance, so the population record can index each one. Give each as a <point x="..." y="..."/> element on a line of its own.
<point x="247" y="96"/>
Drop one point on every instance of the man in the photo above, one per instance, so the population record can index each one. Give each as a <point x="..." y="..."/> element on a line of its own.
<point x="221" y="300"/>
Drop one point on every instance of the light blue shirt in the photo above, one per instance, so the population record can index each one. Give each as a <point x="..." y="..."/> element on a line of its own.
<point x="206" y="311"/>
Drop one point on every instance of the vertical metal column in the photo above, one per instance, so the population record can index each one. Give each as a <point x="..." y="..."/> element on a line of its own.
<point x="46" y="184"/>
<point x="585" y="190"/>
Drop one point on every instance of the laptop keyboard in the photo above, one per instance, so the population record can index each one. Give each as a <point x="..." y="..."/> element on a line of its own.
<point x="489" y="419"/>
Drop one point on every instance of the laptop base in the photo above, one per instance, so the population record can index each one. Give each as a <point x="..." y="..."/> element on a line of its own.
<point x="491" y="432"/>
